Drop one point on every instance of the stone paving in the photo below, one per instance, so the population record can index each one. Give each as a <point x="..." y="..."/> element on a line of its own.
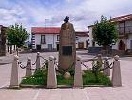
<point x="88" y="93"/>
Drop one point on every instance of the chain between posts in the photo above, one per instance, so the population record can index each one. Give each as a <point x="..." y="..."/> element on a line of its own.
<point x="43" y="58"/>
<point x="107" y="67"/>
<point x="94" y="65"/>
<point x="62" y="70"/>
<point x="35" y="61"/>
<point x="43" y="64"/>
<point x="87" y="61"/>
<point x="23" y="66"/>
<point x="84" y="65"/>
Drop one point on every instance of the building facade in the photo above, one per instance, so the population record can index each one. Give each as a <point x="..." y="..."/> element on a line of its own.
<point x="4" y="47"/>
<point x="47" y="38"/>
<point x="2" y="40"/>
<point x="124" y="28"/>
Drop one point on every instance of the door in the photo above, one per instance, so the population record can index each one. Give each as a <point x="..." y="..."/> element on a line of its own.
<point x="38" y="47"/>
<point x="57" y="47"/>
<point x="49" y="47"/>
<point x="81" y="45"/>
<point x="130" y="44"/>
<point x="121" y="45"/>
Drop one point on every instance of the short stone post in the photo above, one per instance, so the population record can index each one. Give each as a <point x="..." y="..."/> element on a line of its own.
<point x="99" y="60"/>
<point x="51" y="77"/>
<point x="106" y="67"/>
<point x="28" y="68"/>
<point x="38" y="60"/>
<point x="116" y="73"/>
<point x="14" y="73"/>
<point x="78" y="81"/>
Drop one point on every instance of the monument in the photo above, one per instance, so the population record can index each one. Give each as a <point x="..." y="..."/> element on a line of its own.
<point x="67" y="49"/>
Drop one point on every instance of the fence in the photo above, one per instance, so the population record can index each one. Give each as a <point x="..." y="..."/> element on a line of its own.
<point x="97" y="64"/>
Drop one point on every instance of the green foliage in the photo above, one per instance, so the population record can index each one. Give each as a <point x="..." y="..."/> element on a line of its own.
<point x="62" y="81"/>
<point x="17" y="35"/>
<point x="96" y="67"/>
<point x="90" y="79"/>
<point x="105" y="32"/>
<point x="38" y="78"/>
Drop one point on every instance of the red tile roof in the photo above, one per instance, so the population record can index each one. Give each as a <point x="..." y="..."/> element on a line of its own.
<point x="45" y="30"/>
<point x="119" y="19"/>
<point x="122" y="18"/>
<point x="55" y="30"/>
<point x="82" y="34"/>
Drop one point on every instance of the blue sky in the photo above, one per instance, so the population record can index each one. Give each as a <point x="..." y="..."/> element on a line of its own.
<point x="52" y="12"/>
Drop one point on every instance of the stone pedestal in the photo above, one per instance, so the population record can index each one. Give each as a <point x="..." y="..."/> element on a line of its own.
<point x="51" y="77"/>
<point x="14" y="73"/>
<point x="67" y="49"/>
<point x="116" y="73"/>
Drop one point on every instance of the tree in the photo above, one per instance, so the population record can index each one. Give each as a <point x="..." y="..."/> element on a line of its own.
<point x="105" y="33"/>
<point x="17" y="35"/>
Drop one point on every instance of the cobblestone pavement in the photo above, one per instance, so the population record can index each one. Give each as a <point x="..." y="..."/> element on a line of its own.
<point x="88" y="93"/>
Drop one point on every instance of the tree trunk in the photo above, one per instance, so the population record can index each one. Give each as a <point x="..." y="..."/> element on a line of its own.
<point x="10" y="49"/>
<point x="17" y="50"/>
<point x="107" y="49"/>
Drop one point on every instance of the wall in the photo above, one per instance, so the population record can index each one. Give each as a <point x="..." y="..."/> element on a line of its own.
<point x="128" y="41"/>
<point x="91" y="38"/>
<point x="52" y="39"/>
<point x="37" y="40"/>
<point x="49" y="38"/>
<point x="82" y="39"/>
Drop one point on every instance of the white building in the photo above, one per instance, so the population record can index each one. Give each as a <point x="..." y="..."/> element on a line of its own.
<point x="4" y="47"/>
<point x="124" y="27"/>
<point x="47" y="38"/>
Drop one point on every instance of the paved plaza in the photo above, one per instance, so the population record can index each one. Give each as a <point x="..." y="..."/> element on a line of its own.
<point x="87" y="93"/>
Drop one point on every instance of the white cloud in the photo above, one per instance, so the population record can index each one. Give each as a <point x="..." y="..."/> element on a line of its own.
<point x="81" y="12"/>
<point x="11" y="16"/>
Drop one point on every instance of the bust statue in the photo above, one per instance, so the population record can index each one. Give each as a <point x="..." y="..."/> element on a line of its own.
<point x="66" y="19"/>
<point x="66" y="25"/>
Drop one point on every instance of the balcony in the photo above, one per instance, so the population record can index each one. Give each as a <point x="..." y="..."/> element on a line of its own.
<point x="124" y="31"/>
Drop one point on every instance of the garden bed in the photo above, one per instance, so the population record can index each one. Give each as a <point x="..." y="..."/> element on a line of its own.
<point x="39" y="79"/>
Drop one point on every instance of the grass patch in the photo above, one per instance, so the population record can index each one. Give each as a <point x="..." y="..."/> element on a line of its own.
<point x="62" y="81"/>
<point x="40" y="78"/>
<point x="89" y="79"/>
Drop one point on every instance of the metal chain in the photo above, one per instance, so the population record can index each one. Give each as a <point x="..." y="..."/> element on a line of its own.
<point x="84" y="65"/>
<point x="43" y="58"/>
<point x="70" y="66"/>
<point x="35" y="61"/>
<point x="23" y="66"/>
<point x="107" y="67"/>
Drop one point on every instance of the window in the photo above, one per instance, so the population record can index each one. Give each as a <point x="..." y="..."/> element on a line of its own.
<point x="121" y="28"/>
<point x="77" y="38"/>
<point x="58" y="37"/>
<point x="128" y="26"/>
<point x="43" y="39"/>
